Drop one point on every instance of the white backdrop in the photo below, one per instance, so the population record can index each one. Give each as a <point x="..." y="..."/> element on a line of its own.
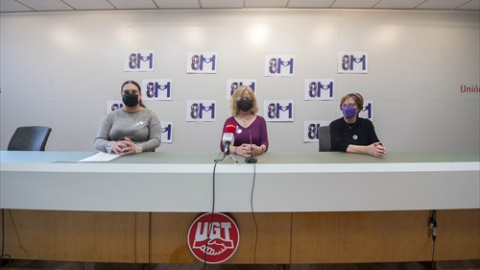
<point x="60" y="69"/>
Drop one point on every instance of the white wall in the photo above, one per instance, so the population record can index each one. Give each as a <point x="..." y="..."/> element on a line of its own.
<point x="59" y="70"/>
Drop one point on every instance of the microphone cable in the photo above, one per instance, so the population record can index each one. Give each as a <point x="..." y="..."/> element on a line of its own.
<point x="251" y="158"/>
<point x="210" y="226"/>
<point x="433" y="227"/>
<point x="2" y="254"/>
<point x="253" y="212"/>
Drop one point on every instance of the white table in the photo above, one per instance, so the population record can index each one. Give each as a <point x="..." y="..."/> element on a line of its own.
<point x="284" y="182"/>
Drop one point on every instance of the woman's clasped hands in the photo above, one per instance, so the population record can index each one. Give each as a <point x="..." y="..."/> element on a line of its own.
<point x="247" y="149"/>
<point x="376" y="149"/>
<point x="125" y="147"/>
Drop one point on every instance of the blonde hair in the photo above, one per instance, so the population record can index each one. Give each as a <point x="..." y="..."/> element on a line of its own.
<point x="237" y="96"/>
<point x="356" y="97"/>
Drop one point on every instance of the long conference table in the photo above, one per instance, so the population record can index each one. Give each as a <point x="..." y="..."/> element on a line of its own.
<point x="291" y="208"/>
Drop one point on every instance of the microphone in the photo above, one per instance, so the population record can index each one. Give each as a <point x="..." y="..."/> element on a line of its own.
<point x="228" y="136"/>
<point x="251" y="158"/>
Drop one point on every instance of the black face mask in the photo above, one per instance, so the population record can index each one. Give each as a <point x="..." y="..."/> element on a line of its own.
<point x="130" y="100"/>
<point x="245" y="105"/>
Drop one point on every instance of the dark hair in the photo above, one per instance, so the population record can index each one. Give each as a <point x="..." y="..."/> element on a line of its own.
<point x="139" y="90"/>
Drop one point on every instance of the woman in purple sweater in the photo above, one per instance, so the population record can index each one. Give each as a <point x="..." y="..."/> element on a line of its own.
<point x="244" y="115"/>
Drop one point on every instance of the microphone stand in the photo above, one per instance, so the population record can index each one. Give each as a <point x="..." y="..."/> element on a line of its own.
<point x="226" y="152"/>
<point x="251" y="158"/>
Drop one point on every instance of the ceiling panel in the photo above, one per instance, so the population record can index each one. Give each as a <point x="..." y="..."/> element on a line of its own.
<point x="46" y="5"/>
<point x="133" y="4"/>
<point x="354" y="3"/>
<point x="221" y="4"/>
<point x="9" y="6"/>
<point x="177" y="4"/>
<point x="88" y="4"/>
<point x="12" y="6"/>
<point x="442" y="4"/>
<point x="310" y="3"/>
<point x="472" y="5"/>
<point x="265" y="3"/>
<point x="395" y="4"/>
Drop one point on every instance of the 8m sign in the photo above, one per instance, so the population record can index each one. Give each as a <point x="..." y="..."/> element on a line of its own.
<point x="352" y="62"/>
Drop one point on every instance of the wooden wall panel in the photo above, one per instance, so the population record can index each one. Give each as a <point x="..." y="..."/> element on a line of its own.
<point x="141" y="237"/>
<point x="26" y="234"/>
<point x="407" y="236"/>
<point x="314" y="237"/>
<point x="281" y="238"/>
<point x="458" y="235"/>
<point x="91" y="236"/>
<point x="360" y="237"/>
<point x="271" y="234"/>
<point x="168" y="238"/>
<point x="115" y="237"/>
<point x="71" y="236"/>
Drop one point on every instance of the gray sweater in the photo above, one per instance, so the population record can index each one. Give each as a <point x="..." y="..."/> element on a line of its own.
<point x="142" y="127"/>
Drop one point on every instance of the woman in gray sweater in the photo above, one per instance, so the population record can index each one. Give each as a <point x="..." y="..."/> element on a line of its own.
<point x="131" y="129"/>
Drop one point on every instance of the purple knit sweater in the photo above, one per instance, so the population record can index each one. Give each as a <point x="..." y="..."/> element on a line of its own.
<point x="258" y="129"/>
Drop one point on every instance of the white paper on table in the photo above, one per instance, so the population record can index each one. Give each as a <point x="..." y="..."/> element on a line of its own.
<point x="100" y="156"/>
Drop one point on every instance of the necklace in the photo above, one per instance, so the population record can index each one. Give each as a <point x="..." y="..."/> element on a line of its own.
<point x="244" y="118"/>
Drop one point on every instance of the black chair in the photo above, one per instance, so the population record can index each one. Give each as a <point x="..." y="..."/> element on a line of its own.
<point x="33" y="138"/>
<point x="324" y="138"/>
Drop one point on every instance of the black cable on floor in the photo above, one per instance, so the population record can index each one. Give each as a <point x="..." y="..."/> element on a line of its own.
<point x="433" y="257"/>
<point x="433" y="227"/>
<point x="7" y="257"/>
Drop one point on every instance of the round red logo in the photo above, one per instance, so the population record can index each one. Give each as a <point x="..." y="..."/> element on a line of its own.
<point x="213" y="240"/>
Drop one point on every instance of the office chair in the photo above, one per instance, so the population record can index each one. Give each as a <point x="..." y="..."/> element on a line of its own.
<point x="32" y="138"/>
<point x="324" y="138"/>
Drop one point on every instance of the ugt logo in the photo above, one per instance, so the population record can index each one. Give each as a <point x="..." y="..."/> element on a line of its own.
<point x="157" y="89"/>
<point x="201" y="110"/>
<point x="213" y="239"/>
<point x="139" y="61"/>
<point x="352" y="62"/>
<point x="279" y="65"/>
<point x="278" y="110"/>
<point x="201" y="62"/>
<point x="319" y="89"/>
